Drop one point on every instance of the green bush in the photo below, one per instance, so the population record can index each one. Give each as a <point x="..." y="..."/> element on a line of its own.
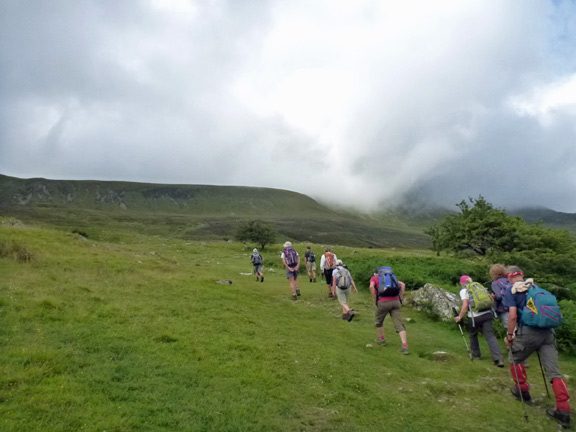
<point x="15" y="250"/>
<point x="566" y="333"/>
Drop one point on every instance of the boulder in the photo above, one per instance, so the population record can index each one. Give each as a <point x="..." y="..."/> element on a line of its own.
<point x="435" y="301"/>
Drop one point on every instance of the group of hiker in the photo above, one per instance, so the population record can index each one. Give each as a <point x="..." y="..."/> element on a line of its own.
<point x="529" y="314"/>
<point x="386" y="290"/>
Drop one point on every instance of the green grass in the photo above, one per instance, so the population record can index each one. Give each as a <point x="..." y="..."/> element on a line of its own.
<point x="132" y="332"/>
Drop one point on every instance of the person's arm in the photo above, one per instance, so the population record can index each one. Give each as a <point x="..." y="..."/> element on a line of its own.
<point x="402" y="289"/>
<point x="512" y="321"/>
<point x="463" y="311"/>
<point x="496" y="295"/>
<point x="373" y="291"/>
<point x="297" y="264"/>
<point x="322" y="263"/>
<point x="285" y="264"/>
<point x="354" y="285"/>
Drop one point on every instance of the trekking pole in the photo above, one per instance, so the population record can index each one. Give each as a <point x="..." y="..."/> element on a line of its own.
<point x="460" y="327"/>
<point x="543" y="375"/>
<point x="518" y="384"/>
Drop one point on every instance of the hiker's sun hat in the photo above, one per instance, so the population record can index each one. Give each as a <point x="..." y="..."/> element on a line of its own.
<point x="339" y="262"/>
<point x="464" y="279"/>
<point x="255" y="250"/>
<point x="287" y="244"/>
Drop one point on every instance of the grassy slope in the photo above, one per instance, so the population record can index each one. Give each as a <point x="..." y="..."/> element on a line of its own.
<point x="136" y="335"/>
<point x="195" y="212"/>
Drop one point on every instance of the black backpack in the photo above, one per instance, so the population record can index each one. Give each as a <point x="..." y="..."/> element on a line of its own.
<point x="311" y="257"/>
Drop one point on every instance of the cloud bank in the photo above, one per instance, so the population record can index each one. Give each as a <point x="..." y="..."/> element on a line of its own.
<point x="364" y="103"/>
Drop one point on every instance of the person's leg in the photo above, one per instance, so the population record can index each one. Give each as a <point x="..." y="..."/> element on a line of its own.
<point x="524" y="344"/>
<point x="549" y="358"/>
<point x="396" y="315"/>
<point x="296" y="284"/>
<point x="473" y="336"/>
<point x="488" y="332"/>
<point x="381" y="313"/>
<point x="328" y="279"/>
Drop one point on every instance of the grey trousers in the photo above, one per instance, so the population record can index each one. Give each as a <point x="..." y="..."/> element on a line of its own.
<point x="543" y="341"/>
<point x="483" y="323"/>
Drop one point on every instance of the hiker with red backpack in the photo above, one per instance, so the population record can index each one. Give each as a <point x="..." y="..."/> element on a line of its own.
<point x="327" y="265"/>
<point x="387" y="292"/>
<point x="291" y="261"/>
<point x="533" y="315"/>
<point x="477" y="305"/>
<point x="499" y="285"/>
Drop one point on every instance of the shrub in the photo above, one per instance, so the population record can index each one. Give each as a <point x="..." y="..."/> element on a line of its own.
<point x="15" y="250"/>
<point x="566" y="333"/>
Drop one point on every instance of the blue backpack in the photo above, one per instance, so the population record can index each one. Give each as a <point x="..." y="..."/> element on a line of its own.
<point x="541" y="309"/>
<point x="291" y="256"/>
<point x="388" y="284"/>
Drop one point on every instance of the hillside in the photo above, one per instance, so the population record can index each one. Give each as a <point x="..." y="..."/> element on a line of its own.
<point x="139" y="335"/>
<point x="196" y="211"/>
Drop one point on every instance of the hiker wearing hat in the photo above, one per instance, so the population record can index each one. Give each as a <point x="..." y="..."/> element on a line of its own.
<point x="327" y="264"/>
<point x="257" y="260"/>
<point x="310" y="263"/>
<point x="477" y="305"/>
<point x="291" y="261"/>
<point x="529" y="331"/>
<point x="342" y="285"/>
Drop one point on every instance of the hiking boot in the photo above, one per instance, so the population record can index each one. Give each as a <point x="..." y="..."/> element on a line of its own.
<point x="345" y="316"/>
<point x="294" y="297"/>
<point x="526" y="397"/>
<point x="256" y="278"/>
<point x="310" y="279"/>
<point x="314" y="280"/>
<point x="499" y="363"/>
<point x="351" y="315"/>
<point x="380" y="341"/>
<point x="562" y="417"/>
<point x="404" y="350"/>
<point x="298" y="293"/>
<point x="262" y="279"/>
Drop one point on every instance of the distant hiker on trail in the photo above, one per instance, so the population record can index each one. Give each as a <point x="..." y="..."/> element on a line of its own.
<point x="343" y="282"/>
<point x="499" y="285"/>
<point x="257" y="261"/>
<point x="477" y="304"/>
<point x="387" y="292"/>
<point x="291" y="261"/>
<point x="531" y="330"/>
<point x="327" y="264"/>
<point x="310" y="263"/>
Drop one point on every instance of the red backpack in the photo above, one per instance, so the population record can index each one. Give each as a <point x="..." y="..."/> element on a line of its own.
<point x="328" y="260"/>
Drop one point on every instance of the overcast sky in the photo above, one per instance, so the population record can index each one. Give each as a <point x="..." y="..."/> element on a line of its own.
<point x="360" y="102"/>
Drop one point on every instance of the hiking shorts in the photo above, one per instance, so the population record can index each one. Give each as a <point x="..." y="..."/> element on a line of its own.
<point x="311" y="266"/>
<point x="393" y="308"/>
<point x="258" y="268"/>
<point x="290" y="275"/>
<point x="343" y="295"/>
<point x="541" y="340"/>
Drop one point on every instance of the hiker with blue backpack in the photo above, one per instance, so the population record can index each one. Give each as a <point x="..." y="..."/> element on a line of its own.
<point x="257" y="260"/>
<point x="499" y="286"/>
<point x="477" y="306"/>
<point x="291" y="261"/>
<point x="533" y="315"/>
<point x="343" y="282"/>
<point x="387" y="292"/>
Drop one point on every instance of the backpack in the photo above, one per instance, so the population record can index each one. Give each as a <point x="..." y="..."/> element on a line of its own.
<point x="344" y="278"/>
<point x="291" y="256"/>
<point x="388" y="284"/>
<point x="478" y="297"/>
<point x="256" y="258"/>
<point x="311" y="257"/>
<point x="541" y="309"/>
<point x="329" y="260"/>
